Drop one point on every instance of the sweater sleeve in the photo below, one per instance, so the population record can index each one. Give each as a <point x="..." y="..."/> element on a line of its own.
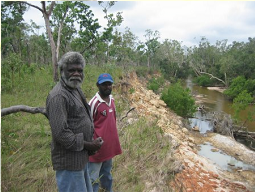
<point x="57" y="108"/>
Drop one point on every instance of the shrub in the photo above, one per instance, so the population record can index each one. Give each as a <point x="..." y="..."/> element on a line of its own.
<point x="238" y="85"/>
<point x="142" y="71"/>
<point x="204" y="81"/>
<point x="241" y="102"/>
<point x="155" y="83"/>
<point x="179" y="100"/>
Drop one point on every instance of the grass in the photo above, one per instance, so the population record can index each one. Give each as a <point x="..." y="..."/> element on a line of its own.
<point x="25" y="139"/>
<point x="143" y="161"/>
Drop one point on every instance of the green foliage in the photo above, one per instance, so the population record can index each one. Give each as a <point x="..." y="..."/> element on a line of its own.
<point x="250" y="86"/>
<point x="203" y="80"/>
<point x="25" y="138"/>
<point x="13" y="28"/>
<point x="142" y="71"/>
<point x="241" y="102"/>
<point x="10" y="66"/>
<point x="168" y="68"/>
<point x="179" y="100"/>
<point x="238" y="85"/>
<point x="91" y="74"/>
<point x="131" y="91"/>
<point x="155" y="83"/>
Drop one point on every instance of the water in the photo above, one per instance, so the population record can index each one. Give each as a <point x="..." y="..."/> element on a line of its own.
<point x="216" y="101"/>
<point x="201" y="121"/>
<point x="223" y="160"/>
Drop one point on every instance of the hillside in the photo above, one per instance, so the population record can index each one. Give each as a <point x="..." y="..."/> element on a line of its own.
<point x="192" y="171"/>
<point x="160" y="152"/>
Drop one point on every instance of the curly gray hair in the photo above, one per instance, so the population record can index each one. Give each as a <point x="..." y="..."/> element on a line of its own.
<point x="71" y="58"/>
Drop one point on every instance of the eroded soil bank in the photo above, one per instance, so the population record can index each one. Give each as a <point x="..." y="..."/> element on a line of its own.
<point x="196" y="173"/>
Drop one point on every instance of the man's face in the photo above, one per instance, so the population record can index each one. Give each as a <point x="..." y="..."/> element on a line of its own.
<point x="105" y="89"/>
<point x="73" y="75"/>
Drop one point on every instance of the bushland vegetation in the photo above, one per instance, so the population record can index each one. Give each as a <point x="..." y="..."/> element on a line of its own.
<point x="28" y="72"/>
<point x="26" y="162"/>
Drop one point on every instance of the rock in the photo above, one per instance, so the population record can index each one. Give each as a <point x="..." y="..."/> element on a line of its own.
<point x="231" y="164"/>
<point x="184" y="130"/>
<point x="214" y="150"/>
<point x="195" y="128"/>
<point x="191" y="145"/>
<point x="190" y="139"/>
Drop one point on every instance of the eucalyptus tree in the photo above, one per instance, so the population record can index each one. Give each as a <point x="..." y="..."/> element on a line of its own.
<point x="112" y="22"/>
<point x="247" y="60"/>
<point x="170" y="56"/>
<point x="39" y="49"/>
<point x="13" y="36"/>
<point x="65" y="14"/>
<point x="151" y="44"/>
<point x="204" y="60"/>
<point x="123" y="47"/>
<point x="12" y="27"/>
<point x="141" y="54"/>
<point x="47" y="11"/>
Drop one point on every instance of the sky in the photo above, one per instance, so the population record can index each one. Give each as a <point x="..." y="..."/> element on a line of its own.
<point x="184" y="21"/>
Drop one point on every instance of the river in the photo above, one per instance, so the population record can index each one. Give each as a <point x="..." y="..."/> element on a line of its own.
<point x="214" y="101"/>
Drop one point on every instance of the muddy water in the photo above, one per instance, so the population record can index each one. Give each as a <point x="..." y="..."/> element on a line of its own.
<point x="216" y="101"/>
<point x="223" y="160"/>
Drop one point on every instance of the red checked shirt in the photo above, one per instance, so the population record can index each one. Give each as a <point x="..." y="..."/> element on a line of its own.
<point x="104" y="116"/>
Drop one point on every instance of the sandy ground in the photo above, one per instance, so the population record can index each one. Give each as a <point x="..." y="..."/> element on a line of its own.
<point x="220" y="89"/>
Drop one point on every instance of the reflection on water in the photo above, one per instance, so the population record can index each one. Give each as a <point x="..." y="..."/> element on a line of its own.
<point x="216" y="101"/>
<point x="201" y="121"/>
<point x="223" y="160"/>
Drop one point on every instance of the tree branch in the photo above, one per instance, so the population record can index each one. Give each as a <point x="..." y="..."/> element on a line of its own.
<point x="127" y="113"/>
<point x="214" y="77"/>
<point x="24" y="108"/>
<point x="33" y="6"/>
<point x="51" y="7"/>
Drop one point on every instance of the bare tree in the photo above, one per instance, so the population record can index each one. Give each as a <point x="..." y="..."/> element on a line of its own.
<point x="46" y="15"/>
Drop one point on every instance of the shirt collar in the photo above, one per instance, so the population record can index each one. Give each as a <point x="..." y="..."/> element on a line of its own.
<point x="100" y="98"/>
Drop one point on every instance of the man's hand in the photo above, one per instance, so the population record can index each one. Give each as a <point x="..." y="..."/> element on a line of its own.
<point x="94" y="145"/>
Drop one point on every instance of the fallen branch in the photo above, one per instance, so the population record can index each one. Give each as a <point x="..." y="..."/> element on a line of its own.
<point x="127" y="113"/>
<point x="24" y="108"/>
<point x="212" y="76"/>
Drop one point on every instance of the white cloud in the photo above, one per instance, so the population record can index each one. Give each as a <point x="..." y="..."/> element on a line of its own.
<point x="35" y="15"/>
<point x="184" y="21"/>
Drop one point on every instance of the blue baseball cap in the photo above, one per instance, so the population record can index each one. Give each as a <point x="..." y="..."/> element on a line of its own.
<point x="104" y="77"/>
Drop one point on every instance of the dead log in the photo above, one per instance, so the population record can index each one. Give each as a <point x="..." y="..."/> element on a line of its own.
<point x="24" y="108"/>
<point x="245" y="134"/>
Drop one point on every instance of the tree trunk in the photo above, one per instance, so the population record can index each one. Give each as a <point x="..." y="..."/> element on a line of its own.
<point x="46" y="16"/>
<point x="25" y="108"/>
<point x="53" y="47"/>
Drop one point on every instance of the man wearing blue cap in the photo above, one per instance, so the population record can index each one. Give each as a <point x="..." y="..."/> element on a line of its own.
<point x="104" y="115"/>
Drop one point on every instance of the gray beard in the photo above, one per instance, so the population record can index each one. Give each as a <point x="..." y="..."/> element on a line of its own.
<point x="73" y="82"/>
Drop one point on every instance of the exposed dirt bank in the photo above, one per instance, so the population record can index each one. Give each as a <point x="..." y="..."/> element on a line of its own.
<point x="196" y="173"/>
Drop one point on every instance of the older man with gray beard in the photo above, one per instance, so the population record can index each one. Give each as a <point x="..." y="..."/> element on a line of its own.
<point x="71" y="126"/>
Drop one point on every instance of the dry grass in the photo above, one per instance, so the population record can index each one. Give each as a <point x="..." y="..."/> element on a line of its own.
<point x="146" y="161"/>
